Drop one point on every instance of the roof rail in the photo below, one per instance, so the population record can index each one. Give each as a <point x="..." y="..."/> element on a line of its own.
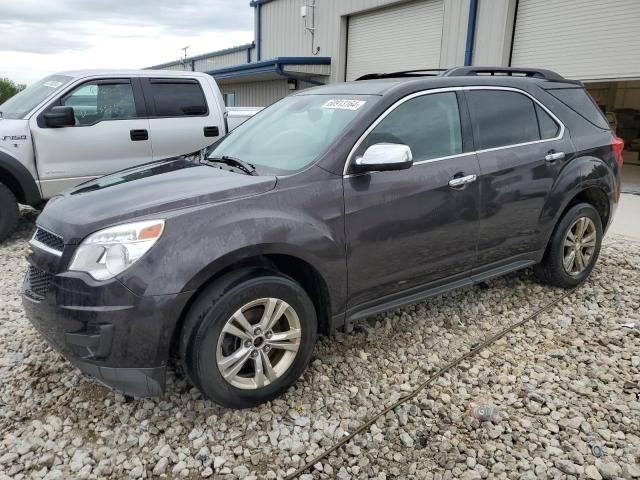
<point x="421" y="72"/>
<point x="507" y="71"/>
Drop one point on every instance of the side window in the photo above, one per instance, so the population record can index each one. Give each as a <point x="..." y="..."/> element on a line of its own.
<point x="501" y="118"/>
<point x="181" y="98"/>
<point x="578" y="100"/>
<point x="548" y="126"/>
<point x="229" y="99"/>
<point x="428" y="124"/>
<point x="97" y="101"/>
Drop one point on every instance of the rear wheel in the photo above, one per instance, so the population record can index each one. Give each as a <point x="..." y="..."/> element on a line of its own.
<point x="9" y="212"/>
<point x="573" y="249"/>
<point x="248" y="338"/>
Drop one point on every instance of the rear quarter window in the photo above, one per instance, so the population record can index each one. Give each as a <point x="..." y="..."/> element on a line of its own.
<point x="178" y="98"/>
<point x="578" y="100"/>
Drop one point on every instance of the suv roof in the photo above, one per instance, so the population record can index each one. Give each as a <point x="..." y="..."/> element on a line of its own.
<point x="131" y="72"/>
<point x="381" y="83"/>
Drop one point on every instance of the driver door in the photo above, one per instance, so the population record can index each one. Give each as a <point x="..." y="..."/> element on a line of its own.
<point x="410" y="229"/>
<point x="108" y="135"/>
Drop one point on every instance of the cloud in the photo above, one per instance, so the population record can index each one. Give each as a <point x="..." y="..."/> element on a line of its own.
<point x="68" y="34"/>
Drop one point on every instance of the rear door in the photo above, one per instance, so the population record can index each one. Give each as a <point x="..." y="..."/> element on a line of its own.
<point x="521" y="148"/>
<point x="409" y="228"/>
<point x="181" y="120"/>
<point x="110" y="134"/>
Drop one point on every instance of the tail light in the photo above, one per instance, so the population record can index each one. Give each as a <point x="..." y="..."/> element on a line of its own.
<point x="617" y="145"/>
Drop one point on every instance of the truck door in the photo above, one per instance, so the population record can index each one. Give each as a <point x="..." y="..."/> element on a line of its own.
<point x="109" y="134"/>
<point x="182" y="119"/>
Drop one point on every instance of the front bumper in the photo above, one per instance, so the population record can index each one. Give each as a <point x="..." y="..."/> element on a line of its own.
<point x="104" y="329"/>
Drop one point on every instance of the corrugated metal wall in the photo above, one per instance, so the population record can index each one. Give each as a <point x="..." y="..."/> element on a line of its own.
<point x="283" y="30"/>
<point x="257" y="94"/>
<point x="395" y="38"/>
<point x="582" y="39"/>
<point x="494" y="28"/>
<point x="221" y="61"/>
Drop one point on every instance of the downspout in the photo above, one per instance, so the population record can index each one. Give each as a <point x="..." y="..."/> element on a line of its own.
<point x="258" y="31"/>
<point x="282" y="73"/>
<point x="471" y="32"/>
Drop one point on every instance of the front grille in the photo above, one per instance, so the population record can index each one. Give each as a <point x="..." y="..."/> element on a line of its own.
<point x="36" y="284"/>
<point x="49" y="239"/>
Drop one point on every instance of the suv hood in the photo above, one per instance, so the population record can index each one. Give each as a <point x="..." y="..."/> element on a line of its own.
<point x="149" y="189"/>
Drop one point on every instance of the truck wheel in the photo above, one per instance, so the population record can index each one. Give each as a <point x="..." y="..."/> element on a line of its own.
<point x="573" y="249"/>
<point x="248" y="338"/>
<point x="9" y="212"/>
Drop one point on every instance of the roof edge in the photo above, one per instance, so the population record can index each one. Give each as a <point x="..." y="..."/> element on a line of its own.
<point x="273" y="62"/>
<point x="215" y="53"/>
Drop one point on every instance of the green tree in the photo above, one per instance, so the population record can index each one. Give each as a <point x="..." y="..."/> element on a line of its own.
<point x="8" y="88"/>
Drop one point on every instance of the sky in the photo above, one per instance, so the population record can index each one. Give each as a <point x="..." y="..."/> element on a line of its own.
<point x="40" y="37"/>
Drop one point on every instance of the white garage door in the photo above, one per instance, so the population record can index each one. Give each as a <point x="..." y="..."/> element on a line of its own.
<point x="393" y="39"/>
<point x="581" y="39"/>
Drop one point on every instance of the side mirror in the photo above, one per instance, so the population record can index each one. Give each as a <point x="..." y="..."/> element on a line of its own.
<point x="60" y="117"/>
<point x="384" y="156"/>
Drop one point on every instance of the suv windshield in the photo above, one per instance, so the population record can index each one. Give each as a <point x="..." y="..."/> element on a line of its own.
<point x="22" y="103"/>
<point x="292" y="133"/>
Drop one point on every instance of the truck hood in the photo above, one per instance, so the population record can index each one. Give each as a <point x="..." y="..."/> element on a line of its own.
<point x="152" y="189"/>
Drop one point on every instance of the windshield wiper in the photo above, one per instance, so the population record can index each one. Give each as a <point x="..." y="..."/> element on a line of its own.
<point x="246" y="167"/>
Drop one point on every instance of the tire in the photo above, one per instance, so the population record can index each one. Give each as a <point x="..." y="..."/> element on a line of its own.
<point x="203" y="343"/>
<point x="9" y="212"/>
<point x="552" y="269"/>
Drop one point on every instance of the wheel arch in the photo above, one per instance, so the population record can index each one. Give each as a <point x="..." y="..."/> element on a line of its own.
<point x="300" y="270"/>
<point x="18" y="179"/>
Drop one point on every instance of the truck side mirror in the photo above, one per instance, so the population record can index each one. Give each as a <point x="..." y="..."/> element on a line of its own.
<point x="60" y="117"/>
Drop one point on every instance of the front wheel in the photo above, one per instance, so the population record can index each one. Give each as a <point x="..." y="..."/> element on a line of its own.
<point x="9" y="212"/>
<point x="248" y="338"/>
<point x="573" y="249"/>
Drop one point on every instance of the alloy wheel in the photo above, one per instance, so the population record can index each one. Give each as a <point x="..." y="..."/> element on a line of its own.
<point x="258" y="343"/>
<point x="579" y="246"/>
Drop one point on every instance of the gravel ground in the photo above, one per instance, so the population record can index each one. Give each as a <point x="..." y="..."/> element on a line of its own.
<point x="563" y="390"/>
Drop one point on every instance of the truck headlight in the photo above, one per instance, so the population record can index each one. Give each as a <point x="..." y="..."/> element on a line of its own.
<point x="109" y="252"/>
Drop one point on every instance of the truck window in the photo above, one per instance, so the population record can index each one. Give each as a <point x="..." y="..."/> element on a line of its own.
<point x="94" y="102"/>
<point x="178" y="98"/>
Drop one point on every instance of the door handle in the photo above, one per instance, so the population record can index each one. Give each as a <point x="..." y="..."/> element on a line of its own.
<point x="552" y="156"/>
<point x="211" y="131"/>
<point x="138" y="135"/>
<point x="461" y="181"/>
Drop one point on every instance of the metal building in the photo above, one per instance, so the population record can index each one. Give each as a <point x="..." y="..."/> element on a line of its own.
<point x="301" y="43"/>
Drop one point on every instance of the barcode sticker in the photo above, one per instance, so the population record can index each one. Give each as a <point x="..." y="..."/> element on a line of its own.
<point x="343" y="104"/>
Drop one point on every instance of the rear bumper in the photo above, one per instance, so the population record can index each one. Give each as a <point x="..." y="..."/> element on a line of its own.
<point x="121" y="339"/>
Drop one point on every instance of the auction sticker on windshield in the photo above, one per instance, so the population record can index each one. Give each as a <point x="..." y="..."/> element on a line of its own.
<point x="52" y="84"/>
<point x="344" y="104"/>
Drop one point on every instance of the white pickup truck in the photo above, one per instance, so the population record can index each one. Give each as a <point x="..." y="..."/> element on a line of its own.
<point x="75" y="126"/>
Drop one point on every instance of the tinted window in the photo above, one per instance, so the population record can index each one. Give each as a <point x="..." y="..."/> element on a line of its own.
<point x="95" y="101"/>
<point x="578" y="100"/>
<point x="178" y="99"/>
<point x="428" y="124"/>
<point x="292" y="133"/>
<point x="502" y="118"/>
<point x="548" y="127"/>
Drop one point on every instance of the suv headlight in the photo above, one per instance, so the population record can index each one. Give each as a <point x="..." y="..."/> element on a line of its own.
<point x="109" y="252"/>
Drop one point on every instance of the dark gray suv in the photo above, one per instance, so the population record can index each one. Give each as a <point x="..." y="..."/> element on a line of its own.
<point x="334" y="204"/>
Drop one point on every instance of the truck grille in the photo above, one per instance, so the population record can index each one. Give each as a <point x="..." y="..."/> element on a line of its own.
<point x="49" y="239"/>
<point x="36" y="283"/>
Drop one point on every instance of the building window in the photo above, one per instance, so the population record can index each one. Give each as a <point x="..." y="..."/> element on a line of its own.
<point x="229" y="99"/>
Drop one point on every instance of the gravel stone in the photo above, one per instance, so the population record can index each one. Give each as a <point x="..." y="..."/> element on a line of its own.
<point x="557" y="383"/>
